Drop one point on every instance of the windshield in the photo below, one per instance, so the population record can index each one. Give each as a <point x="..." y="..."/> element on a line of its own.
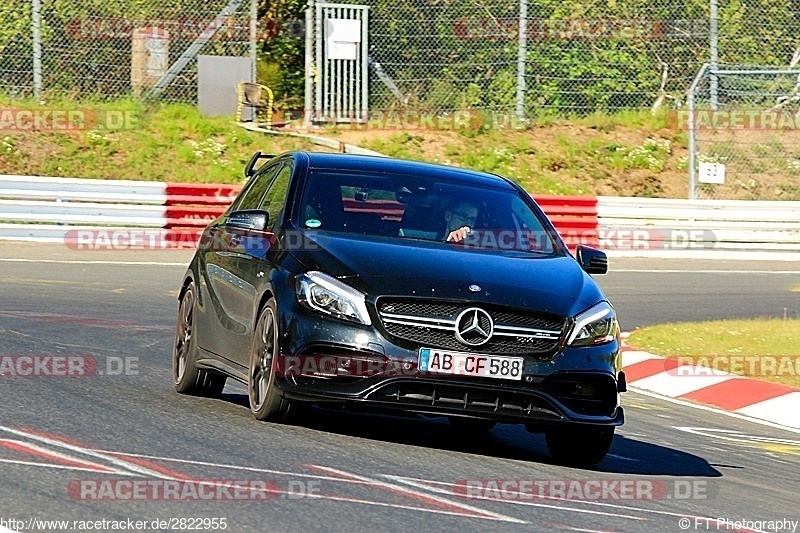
<point x="422" y="208"/>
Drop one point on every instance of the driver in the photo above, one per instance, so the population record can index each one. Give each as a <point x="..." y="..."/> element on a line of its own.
<point x="460" y="218"/>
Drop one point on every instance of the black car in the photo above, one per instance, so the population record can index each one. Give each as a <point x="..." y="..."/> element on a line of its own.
<point x="339" y="280"/>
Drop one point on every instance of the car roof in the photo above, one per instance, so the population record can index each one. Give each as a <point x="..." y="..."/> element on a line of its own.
<point x="330" y="161"/>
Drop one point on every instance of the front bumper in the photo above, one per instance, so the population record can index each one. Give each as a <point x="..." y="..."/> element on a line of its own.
<point x="325" y="360"/>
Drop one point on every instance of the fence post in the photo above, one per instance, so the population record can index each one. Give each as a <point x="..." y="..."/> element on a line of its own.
<point x="523" y="49"/>
<point x="253" y="40"/>
<point x="309" y="65"/>
<point x="693" y="132"/>
<point x="36" y="28"/>
<point x="714" y="54"/>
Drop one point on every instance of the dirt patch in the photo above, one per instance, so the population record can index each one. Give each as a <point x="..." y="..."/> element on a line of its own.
<point x="555" y="159"/>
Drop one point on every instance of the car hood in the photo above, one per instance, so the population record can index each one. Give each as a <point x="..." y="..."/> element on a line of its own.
<point x="383" y="267"/>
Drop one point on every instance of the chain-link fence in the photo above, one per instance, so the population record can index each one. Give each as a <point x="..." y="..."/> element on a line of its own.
<point x="512" y="59"/>
<point x="745" y="135"/>
<point x="527" y="59"/>
<point x="95" y="48"/>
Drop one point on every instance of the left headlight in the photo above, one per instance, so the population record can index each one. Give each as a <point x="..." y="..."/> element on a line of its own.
<point x="596" y="325"/>
<point x="328" y="295"/>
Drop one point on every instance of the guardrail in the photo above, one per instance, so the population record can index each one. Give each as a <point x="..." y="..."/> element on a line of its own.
<point x="719" y="225"/>
<point x="171" y="215"/>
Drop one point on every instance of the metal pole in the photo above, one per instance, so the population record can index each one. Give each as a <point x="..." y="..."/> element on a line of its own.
<point x="522" y="52"/>
<point x="194" y="48"/>
<point x="692" y="149"/>
<point x="253" y="47"/>
<point x="36" y="28"/>
<point x="714" y="52"/>
<point x="693" y="132"/>
<point x="309" y="62"/>
<point x="321" y="73"/>
<point x="364" y="64"/>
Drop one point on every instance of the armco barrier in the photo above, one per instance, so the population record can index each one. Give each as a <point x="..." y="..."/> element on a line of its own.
<point x="55" y="209"/>
<point x="172" y="215"/>
<point x="652" y="224"/>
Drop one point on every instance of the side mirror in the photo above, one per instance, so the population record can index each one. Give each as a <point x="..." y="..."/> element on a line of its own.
<point x="591" y="259"/>
<point x="249" y="219"/>
<point x="250" y="169"/>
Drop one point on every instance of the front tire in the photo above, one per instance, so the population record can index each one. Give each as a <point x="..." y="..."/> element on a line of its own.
<point x="579" y="446"/>
<point x="266" y="401"/>
<point x="187" y="377"/>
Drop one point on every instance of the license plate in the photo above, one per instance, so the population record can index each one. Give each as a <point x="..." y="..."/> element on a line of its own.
<point x="468" y="364"/>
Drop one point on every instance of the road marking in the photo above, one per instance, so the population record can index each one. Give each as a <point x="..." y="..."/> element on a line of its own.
<point x="55" y="466"/>
<point x="38" y="281"/>
<point x="92" y="262"/>
<point x="712" y="409"/>
<point x="421" y="484"/>
<point x="58" y="443"/>
<point x="82" y="320"/>
<point x="38" y="451"/>
<point x="135" y="464"/>
<point x="704" y="519"/>
<point x="459" y="508"/>
<point x="732" y="435"/>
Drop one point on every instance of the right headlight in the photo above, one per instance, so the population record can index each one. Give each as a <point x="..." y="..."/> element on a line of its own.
<point x="326" y="294"/>
<point x="596" y="325"/>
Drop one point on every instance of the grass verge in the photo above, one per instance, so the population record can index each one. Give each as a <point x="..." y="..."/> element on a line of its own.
<point x="123" y="140"/>
<point x="631" y="153"/>
<point x="764" y="349"/>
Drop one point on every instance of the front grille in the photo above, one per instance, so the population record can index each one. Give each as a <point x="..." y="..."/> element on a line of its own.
<point x="419" y="322"/>
<point x="468" y="400"/>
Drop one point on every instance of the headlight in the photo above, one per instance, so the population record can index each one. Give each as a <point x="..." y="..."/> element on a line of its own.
<point x="328" y="295"/>
<point x="596" y="325"/>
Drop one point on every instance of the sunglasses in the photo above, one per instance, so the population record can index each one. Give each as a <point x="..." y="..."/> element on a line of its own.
<point x="465" y="217"/>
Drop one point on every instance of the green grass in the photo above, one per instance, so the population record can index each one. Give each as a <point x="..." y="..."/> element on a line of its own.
<point x="160" y="143"/>
<point x="760" y="348"/>
<point x="598" y="154"/>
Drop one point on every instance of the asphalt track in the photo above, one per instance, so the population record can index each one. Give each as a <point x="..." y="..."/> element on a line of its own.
<point x="62" y="437"/>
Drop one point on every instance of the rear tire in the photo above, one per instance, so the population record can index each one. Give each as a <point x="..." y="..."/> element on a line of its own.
<point x="187" y="378"/>
<point x="579" y="446"/>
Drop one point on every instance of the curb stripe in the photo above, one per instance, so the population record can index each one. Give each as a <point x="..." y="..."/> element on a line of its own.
<point x="760" y="401"/>
<point x="782" y="410"/>
<point x="645" y="369"/>
<point x="674" y="385"/>
<point x="738" y="393"/>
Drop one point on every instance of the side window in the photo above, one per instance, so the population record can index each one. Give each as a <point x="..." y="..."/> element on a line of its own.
<point x="530" y="228"/>
<point x="255" y="191"/>
<point x="275" y="199"/>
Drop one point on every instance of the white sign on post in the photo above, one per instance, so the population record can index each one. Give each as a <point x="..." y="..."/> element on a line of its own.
<point x="342" y="35"/>
<point x="711" y="173"/>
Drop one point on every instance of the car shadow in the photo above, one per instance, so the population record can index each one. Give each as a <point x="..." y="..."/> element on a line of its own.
<point x="506" y="441"/>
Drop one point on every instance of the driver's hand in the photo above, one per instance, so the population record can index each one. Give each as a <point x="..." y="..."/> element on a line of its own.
<point x="458" y="235"/>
